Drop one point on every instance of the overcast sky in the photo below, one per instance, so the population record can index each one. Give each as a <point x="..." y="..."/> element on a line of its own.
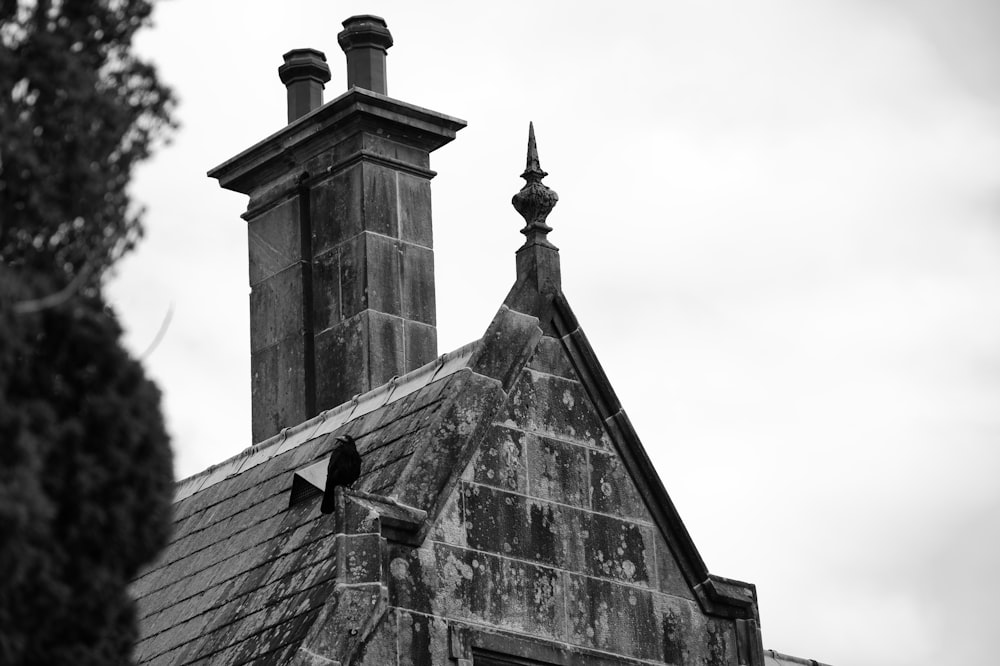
<point x="780" y="229"/>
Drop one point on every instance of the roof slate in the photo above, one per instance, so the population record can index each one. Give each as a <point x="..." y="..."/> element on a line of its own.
<point x="245" y="574"/>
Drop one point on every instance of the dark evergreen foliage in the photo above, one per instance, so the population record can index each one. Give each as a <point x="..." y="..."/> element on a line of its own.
<point x="85" y="481"/>
<point x="85" y="465"/>
<point x="78" y="110"/>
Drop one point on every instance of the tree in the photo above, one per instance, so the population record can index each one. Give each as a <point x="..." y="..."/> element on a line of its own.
<point x="85" y="466"/>
<point x="78" y="111"/>
<point x="85" y="482"/>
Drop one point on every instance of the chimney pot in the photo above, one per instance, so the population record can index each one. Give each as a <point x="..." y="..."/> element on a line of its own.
<point x="364" y="40"/>
<point x="304" y="73"/>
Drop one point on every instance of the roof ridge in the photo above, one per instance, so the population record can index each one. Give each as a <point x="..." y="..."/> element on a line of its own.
<point x="328" y="420"/>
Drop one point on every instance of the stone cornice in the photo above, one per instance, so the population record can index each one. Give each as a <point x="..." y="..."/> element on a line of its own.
<point x="355" y="111"/>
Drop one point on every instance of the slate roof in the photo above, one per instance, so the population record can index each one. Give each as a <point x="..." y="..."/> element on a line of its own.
<point x="245" y="574"/>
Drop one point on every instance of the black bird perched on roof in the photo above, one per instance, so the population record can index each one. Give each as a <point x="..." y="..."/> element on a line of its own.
<point x="343" y="469"/>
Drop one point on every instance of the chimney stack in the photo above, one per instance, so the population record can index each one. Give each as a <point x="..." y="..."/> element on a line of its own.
<point x="304" y="73"/>
<point x="365" y="40"/>
<point x="339" y="223"/>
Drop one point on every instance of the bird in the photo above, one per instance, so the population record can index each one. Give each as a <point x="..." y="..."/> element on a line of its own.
<point x="343" y="469"/>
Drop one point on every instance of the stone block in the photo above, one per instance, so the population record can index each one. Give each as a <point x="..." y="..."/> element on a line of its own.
<point x="718" y="643"/>
<point x="380" y="145"/>
<point x="382" y="274"/>
<point x="423" y="640"/>
<point x="353" y="275"/>
<point x="341" y="365"/>
<point x="449" y="527"/>
<point x="557" y="471"/>
<point x="277" y="386"/>
<point x="501" y="461"/>
<point x="421" y="343"/>
<point x="358" y="517"/>
<point x="415" y="210"/>
<point x="612" y="617"/>
<point x="669" y="577"/>
<point x="555" y="407"/>
<point x="518" y="526"/>
<point x="362" y="557"/>
<point x="335" y="209"/>
<point x="612" y="489"/>
<point x="385" y="348"/>
<point x="326" y="291"/>
<point x="274" y="240"/>
<point x="619" y="549"/>
<point x="505" y="593"/>
<point x="416" y="277"/>
<point x="276" y="308"/>
<point x="551" y="358"/>
<point x="379" y="202"/>
<point x="380" y="647"/>
<point x="357" y="355"/>
<point x="412" y="577"/>
<point x="506" y="346"/>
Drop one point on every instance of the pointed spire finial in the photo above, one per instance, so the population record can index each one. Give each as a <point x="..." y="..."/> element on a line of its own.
<point x="535" y="200"/>
<point x="533" y="167"/>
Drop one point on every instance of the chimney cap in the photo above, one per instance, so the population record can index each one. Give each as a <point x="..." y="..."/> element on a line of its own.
<point x="304" y="64"/>
<point x="364" y="30"/>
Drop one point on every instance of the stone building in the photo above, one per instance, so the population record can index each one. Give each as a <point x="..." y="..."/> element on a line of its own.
<point x="505" y="511"/>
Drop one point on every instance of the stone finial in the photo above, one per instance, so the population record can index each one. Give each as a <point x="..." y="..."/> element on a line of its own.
<point x="304" y="73"/>
<point x="365" y="39"/>
<point x="535" y="200"/>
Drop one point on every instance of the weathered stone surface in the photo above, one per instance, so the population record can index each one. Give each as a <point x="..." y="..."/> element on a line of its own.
<point x="450" y="527"/>
<point x="551" y="358"/>
<point x="341" y="371"/>
<point x="612" y="489"/>
<point x="379" y="203"/>
<point x="276" y="308"/>
<point x="556" y="407"/>
<point x="362" y="557"/>
<point x="619" y="549"/>
<point x="379" y="144"/>
<point x="421" y="344"/>
<point x="557" y="471"/>
<point x="349" y="612"/>
<point x="448" y="447"/>
<point x="500" y="460"/>
<point x="670" y="580"/>
<point x="415" y="210"/>
<point x="274" y="240"/>
<point x="353" y="276"/>
<point x="385" y="348"/>
<point x="412" y="577"/>
<point x="357" y="355"/>
<point x="379" y="648"/>
<point x="612" y="617"/>
<point x="496" y="590"/>
<point x="327" y="310"/>
<point x="335" y="209"/>
<point x="423" y="640"/>
<point x="506" y="346"/>
<point x="557" y="535"/>
<point x="382" y="285"/>
<point x="416" y="279"/>
<point x="518" y="526"/>
<point x="278" y="388"/>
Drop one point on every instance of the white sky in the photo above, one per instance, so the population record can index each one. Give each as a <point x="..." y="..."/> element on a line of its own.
<point x="780" y="229"/>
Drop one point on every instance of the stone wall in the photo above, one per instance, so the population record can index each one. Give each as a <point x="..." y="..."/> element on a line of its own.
<point x="547" y="537"/>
